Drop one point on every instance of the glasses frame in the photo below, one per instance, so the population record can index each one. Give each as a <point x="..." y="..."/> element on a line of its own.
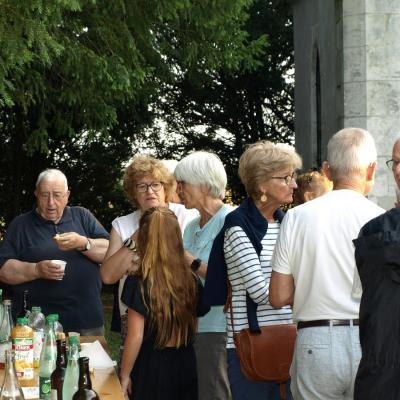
<point x="288" y="178"/>
<point x="392" y="164"/>
<point x="146" y="187"/>
<point x="55" y="196"/>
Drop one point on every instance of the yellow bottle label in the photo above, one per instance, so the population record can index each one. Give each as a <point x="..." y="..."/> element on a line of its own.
<point x="23" y="348"/>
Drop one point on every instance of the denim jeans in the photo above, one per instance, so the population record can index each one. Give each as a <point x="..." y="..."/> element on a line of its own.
<point x="325" y="363"/>
<point x="243" y="389"/>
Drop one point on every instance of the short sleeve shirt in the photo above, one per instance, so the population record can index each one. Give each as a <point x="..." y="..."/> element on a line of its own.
<point x="198" y="241"/>
<point x="77" y="297"/>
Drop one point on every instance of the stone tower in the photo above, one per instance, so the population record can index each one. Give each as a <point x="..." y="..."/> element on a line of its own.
<point x="347" y="60"/>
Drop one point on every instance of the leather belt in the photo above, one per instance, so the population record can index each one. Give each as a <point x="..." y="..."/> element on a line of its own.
<point x="326" y="322"/>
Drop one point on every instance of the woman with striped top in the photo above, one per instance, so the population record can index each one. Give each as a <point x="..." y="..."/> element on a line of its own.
<point x="267" y="171"/>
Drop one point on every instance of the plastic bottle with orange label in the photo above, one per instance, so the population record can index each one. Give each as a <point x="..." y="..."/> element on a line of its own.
<point x="22" y="344"/>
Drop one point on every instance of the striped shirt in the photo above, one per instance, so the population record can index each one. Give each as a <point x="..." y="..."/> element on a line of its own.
<point x="247" y="272"/>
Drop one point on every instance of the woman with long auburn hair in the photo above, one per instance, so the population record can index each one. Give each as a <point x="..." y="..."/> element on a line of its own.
<point x="158" y="361"/>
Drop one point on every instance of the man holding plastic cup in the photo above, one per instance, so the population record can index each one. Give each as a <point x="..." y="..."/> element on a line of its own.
<point x="54" y="231"/>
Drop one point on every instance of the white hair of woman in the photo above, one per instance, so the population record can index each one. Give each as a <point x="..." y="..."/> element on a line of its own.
<point x="51" y="174"/>
<point x="203" y="168"/>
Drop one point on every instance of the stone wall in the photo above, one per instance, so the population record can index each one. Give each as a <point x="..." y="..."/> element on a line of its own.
<point x="359" y="48"/>
<point x="371" y="52"/>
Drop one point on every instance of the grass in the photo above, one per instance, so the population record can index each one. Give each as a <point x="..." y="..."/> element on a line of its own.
<point x="112" y="338"/>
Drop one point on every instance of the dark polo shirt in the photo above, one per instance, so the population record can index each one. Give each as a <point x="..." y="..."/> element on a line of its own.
<point x="77" y="297"/>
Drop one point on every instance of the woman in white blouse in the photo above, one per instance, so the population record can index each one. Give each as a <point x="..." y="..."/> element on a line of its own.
<point x="147" y="183"/>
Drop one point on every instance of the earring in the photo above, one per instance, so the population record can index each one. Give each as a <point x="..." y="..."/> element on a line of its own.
<point x="263" y="198"/>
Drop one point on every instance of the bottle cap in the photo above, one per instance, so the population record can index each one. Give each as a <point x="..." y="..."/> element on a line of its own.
<point x="60" y="336"/>
<point x="36" y="309"/>
<point x="50" y="318"/>
<point x="73" y="339"/>
<point x="7" y="302"/>
<point x="22" y="321"/>
<point x="55" y="316"/>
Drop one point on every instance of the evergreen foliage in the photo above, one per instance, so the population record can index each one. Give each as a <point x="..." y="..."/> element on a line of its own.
<point x="222" y="110"/>
<point x="79" y="80"/>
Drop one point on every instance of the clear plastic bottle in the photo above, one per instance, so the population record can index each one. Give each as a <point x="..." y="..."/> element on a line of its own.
<point x="6" y="327"/>
<point x="22" y="344"/>
<point x="11" y="389"/>
<point x="37" y="322"/>
<point x="47" y="359"/>
<point x="57" y="324"/>
<point x="71" y="378"/>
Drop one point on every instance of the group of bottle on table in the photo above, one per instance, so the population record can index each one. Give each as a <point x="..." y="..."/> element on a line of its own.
<point x="39" y="342"/>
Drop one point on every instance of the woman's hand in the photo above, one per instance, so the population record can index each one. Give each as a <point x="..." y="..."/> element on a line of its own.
<point x="136" y="259"/>
<point x="135" y="264"/>
<point x="126" y="384"/>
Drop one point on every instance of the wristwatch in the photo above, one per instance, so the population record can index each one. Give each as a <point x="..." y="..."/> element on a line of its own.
<point x="88" y="245"/>
<point x="130" y="244"/>
<point x="195" y="265"/>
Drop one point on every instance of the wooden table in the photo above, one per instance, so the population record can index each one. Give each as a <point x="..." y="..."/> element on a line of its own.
<point x="104" y="381"/>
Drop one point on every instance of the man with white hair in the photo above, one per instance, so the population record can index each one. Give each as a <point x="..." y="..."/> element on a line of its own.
<point x="55" y="231"/>
<point x="313" y="269"/>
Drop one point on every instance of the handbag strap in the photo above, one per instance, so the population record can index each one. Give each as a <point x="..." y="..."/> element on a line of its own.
<point x="251" y="307"/>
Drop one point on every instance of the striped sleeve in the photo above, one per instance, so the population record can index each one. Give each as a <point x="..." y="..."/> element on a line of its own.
<point x="241" y="257"/>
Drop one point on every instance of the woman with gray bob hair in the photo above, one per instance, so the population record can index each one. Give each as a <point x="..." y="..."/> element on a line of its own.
<point x="242" y="254"/>
<point x="201" y="181"/>
<point x="203" y="169"/>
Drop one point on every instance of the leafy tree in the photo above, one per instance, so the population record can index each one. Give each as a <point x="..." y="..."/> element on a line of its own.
<point x="224" y="109"/>
<point x="77" y="78"/>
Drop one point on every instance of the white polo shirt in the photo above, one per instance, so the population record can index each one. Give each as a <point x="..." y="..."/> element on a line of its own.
<point x="315" y="246"/>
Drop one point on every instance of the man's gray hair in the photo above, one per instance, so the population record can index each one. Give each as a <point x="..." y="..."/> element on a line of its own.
<point x="49" y="174"/>
<point x="350" y="151"/>
<point x="202" y="168"/>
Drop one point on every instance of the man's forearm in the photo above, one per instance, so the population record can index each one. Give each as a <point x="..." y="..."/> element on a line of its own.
<point x="14" y="272"/>
<point x="97" y="251"/>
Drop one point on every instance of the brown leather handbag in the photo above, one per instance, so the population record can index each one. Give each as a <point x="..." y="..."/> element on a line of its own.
<point x="265" y="353"/>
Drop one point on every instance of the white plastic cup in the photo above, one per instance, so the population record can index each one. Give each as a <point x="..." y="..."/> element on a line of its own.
<point x="61" y="264"/>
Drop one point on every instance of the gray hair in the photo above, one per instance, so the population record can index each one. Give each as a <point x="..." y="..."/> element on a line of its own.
<point x="49" y="174"/>
<point x="350" y="151"/>
<point x="262" y="160"/>
<point x="202" y="168"/>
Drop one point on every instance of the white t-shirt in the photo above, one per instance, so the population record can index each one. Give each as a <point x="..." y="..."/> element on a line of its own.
<point x="315" y="246"/>
<point x="126" y="225"/>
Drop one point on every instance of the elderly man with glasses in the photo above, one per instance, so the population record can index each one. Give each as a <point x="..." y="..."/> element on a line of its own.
<point x="54" y="231"/>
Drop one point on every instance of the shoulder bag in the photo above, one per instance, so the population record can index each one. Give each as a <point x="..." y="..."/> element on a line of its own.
<point x="265" y="353"/>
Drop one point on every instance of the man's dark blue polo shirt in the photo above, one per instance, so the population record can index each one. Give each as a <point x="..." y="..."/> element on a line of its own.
<point x="77" y="297"/>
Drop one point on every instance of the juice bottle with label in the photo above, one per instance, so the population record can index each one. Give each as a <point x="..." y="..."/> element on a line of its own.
<point x="22" y="344"/>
